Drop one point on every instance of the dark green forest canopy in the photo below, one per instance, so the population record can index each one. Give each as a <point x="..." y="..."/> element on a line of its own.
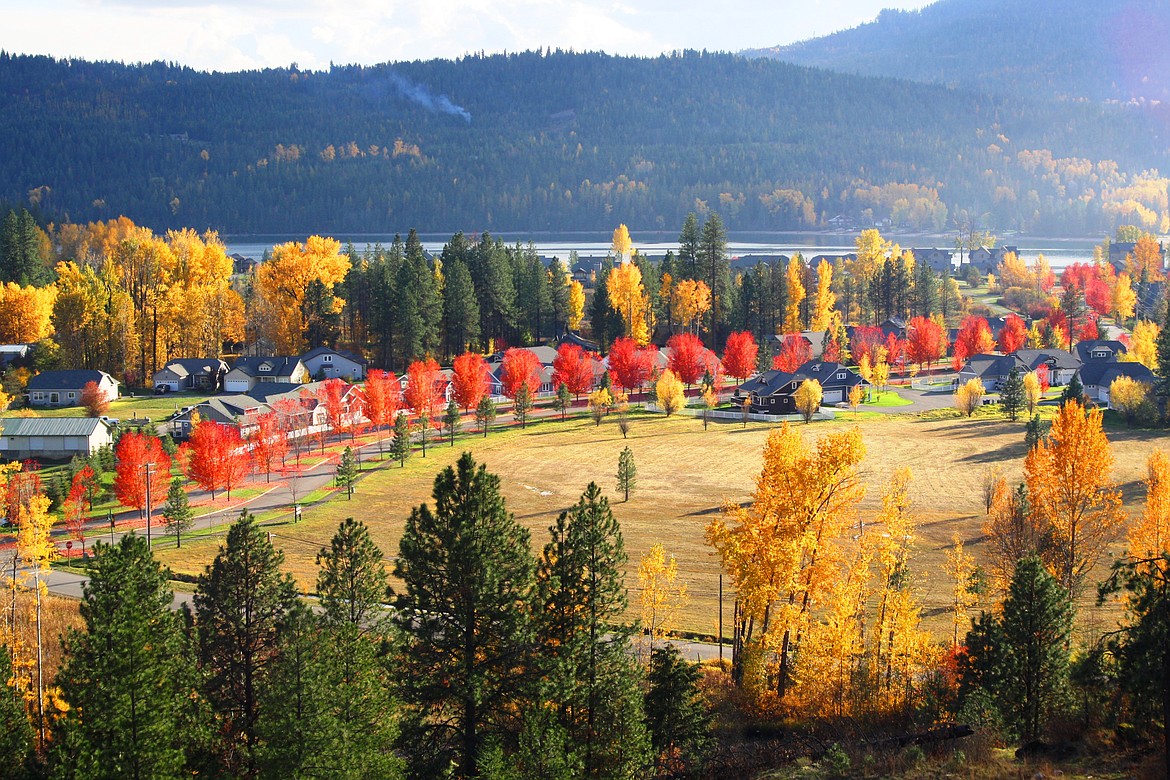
<point x="544" y="141"/>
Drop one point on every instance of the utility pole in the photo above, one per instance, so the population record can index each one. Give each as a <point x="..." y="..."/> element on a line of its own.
<point x="721" y="618"/>
<point x="149" y="473"/>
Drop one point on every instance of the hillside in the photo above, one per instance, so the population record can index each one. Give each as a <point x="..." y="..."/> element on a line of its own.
<point x="1054" y="48"/>
<point x="558" y="141"/>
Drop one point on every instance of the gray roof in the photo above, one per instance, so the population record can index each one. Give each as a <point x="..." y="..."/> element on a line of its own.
<point x="345" y="353"/>
<point x="185" y="366"/>
<point x="278" y="366"/>
<point x="989" y="366"/>
<point x="1057" y="358"/>
<point x="1085" y="349"/>
<point x="74" y="379"/>
<point x="50" y="426"/>
<point x="1101" y="373"/>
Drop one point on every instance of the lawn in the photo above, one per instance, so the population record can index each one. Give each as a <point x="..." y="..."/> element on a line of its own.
<point x="684" y="477"/>
<point x="156" y="407"/>
<point x="887" y="398"/>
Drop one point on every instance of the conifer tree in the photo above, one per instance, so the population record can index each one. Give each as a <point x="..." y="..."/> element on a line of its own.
<point x="177" y="512"/>
<point x="1033" y="432"/>
<point x="464" y="618"/>
<point x="128" y="677"/>
<point x="1162" y="353"/>
<point x="241" y="602"/>
<point x="485" y="414"/>
<point x="1011" y="395"/>
<point x="680" y="727"/>
<point x="347" y="471"/>
<point x="451" y="419"/>
<point x="400" y="444"/>
<point x="522" y="404"/>
<point x="16" y="733"/>
<point x="627" y="473"/>
<point x="563" y="400"/>
<point x="1073" y="391"/>
<point x="585" y="641"/>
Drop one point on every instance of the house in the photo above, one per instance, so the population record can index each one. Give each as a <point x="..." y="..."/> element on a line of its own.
<point x="243" y="265"/>
<point x="247" y="372"/>
<point x="1062" y="364"/>
<point x="52" y="438"/>
<point x="569" y="337"/>
<point x="773" y="392"/>
<point x="238" y="410"/>
<point x="181" y="374"/>
<point x="325" y="363"/>
<point x="894" y="326"/>
<point x="1098" y="375"/>
<point x="814" y="338"/>
<point x="1100" y="350"/>
<point x="987" y="260"/>
<point x="1121" y="251"/>
<point x="63" y="388"/>
<point x="991" y="369"/>
<point x="13" y="353"/>
<point x="938" y="260"/>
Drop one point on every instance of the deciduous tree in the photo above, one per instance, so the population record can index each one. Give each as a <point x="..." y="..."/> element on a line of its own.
<point x="628" y="298"/>
<point x="740" y="354"/>
<point x="1149" y="538"/>
<point x="520" y="367"/>
<point x="1143" y="344"/>
<point x="669" y="392"/>
<point x="808" y="399"/>
<point x="268" y="444"/>
<point x="663" y="595"/>
<point x="629" y="364"/>
<point x="218" y="460"/>
<point x="422" y="394"/>
<point x="794" y="352"/>
<point x="94" y="400"/>
<point x="926" y="341"/>
<point x="470" y="380"/>
<point x="1013" y="335"/>
<point x="969" y="396"/>
<point x="283" y="281"/>
<point x="686" y="357"/>
<point x="974" y="338"/>
<point x="1032" y="391"/>
<point x="1128" y="395"/>
<point x="141" y="461"/>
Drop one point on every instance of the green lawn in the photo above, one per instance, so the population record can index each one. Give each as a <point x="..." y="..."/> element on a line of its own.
<point x="887" y="399"/>
<point x="156" y="407"/>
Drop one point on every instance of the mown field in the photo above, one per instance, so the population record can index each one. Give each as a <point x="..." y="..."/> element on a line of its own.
<point x="685" y="474"/>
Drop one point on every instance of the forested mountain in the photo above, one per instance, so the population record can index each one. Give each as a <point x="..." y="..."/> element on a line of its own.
<point x="1055" y="48"/>
<point x="558" y="141"/>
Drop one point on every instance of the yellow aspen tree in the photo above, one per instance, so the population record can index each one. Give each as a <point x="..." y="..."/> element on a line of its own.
<point x="26" y="313"/>
<point x="1033" y="391"/>
<point x="599" y="401"/>
<point x="1143" y="344"/>
<point x="969" y="396"/>
<point x="1127" y="395"/>
<point x="576" y="304"/>
<point x="960" y="566"/>
<point x="796" y="295"/>
<point x="1150" y="536"/>
<point x="1067" y="475"/>
<point x="1034" y="339"/>
<point x="690" y="300"/>
<point x="1124" y="299"/>
<point x="37" y="550"/>
<point x="281" y="284"/>
<point x="881" y="375"/>
<point x="865" y="368"/>
<point x="663" y="595"/>
<point x="856" y="394"/>
<point x="808" y="399"/>
<point x="669" y="392"/>
<point x="825" y="299"/>
<point x="1013" y="533"/>
<point x="622" y="246"/>
<point x="629" y="299"/>
<point x="871" y="250"/>
<point x="781" y="550"/>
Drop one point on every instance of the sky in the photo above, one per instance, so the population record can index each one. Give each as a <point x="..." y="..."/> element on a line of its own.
<point x="247" y="34"/>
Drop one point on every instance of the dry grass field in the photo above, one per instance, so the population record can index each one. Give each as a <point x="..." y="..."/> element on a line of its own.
<point x="685" y="474"/>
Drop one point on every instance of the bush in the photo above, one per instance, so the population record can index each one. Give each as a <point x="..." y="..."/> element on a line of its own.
<point x="837" y="760"/>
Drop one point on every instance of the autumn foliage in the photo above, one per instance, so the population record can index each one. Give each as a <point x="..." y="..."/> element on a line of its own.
<point x="864" y="343"/>
<point x="218" y="460"/>
<point x="422" y="388"/>
<point x="520" y="367"/>
<point x="795" y="351"/>
<point x="740" y="354"/>
<point x="383" y="397"/>
<point x="135" y="453"/>
<point x="268" y="443"/>
<point x="94" y="400"/>
<point x="629" y="364"/>
<point x="469" y="380"/>
<point x="1014" y="334"/>
<point x="573" y="368"/>
<point x="926" y="341"/>
<point x="686" y="357"/>
<point x="974" y="338"/>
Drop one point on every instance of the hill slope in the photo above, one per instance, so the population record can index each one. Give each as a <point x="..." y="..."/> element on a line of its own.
<point x="555" y="141"/>
<point x="1065" y="48"/>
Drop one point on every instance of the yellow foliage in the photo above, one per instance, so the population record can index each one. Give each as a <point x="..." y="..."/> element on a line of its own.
<point x="880" y="375"/>
<point x="690" y="300"/>
<point x="1123" y="299"/>
<point x="822" y="311"/>
<point x="1126" y="395"/>
<point x="960" y="565"/>
<point x="669" y="391"/>
<point x="25" y="313"/>
<point x="969" y="396"/>
<point x="622" y="246"/>
<point x="1033" y="391"/>
<point x="281" y="284"/>
<point x="796" y="294"/>
<point x="663" y="596"/>
<point x="576" y="304"/>
<point x="629" y="299"/>
<point x="1143" y="345"/>
<point x="808" y="398"/>
<point x="1150" y="537"/>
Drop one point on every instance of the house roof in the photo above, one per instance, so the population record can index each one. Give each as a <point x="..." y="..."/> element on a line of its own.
<point x="774" y="381"/>
<point x="51" y="426"/>
<point x="988" y="365"/>
<point x="1085" y="350"/>
<point x="268" y="392"/>
<point x="1056" y="358"/>
<point x="277" y="366"/>
<point x="345" y="353"/>
<point x="187" y="366"/>
<point x="73" y="379"/>
<point x="1102" y="373"/>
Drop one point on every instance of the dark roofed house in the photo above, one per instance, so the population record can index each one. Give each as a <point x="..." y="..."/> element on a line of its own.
<point x="1061" y="363"/>
<point x="1120" y="251"/>
<point x="1096" y="377"/>
<point x="773" y="392"/>
<point x="247" y="372"/>
<point x="63" y="388"/>
<point x="990" y="369"/>
<point x="326" y="363"/>
<point x="987" y="260"/>
<point x="1100" y="350"/>
<point x="938" y="260"/>
<point x="191" y="374"/>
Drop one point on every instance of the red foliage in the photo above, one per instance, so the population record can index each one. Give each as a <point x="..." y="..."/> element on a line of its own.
<point x="686" y="357"/>
<point x="832" y="352"/>
<point x="218" y="459"/>
<point x="331" y="395"/>
<point x="22" y="486"/>
<point x="469" y="380"/>
<point x="1013" y="336"/>
<point x="794" y="353"/>
<point x="422" y="387"/>
<point x="383" y="397"/>
<point x="629" y="365"/>
<point x="1057" y="329"/>
<point x="896" y="351"/>
<point x="926" y="341"/>
<point x="79" y="502"/>
<point x="573" y="367"/>
<point x="94" y="400"/>
<point x="520" y="367"/>
<point x="135" y="451"/>
<point x="865" y="341"/>
<point x="740" y="354"/>
<point x="974" y="338"/>
<point x="1042" y="375"/>
<point x="268" y="443"/>
<point x="1089" y="331"/>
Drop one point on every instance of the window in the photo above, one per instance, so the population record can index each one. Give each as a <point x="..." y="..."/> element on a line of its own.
<point x="54" y="398"/>
<point x="326" y="358"/>
<point x="265" y="368"/>
<point x="842" y="375"/>
<point x="72" y="396"/>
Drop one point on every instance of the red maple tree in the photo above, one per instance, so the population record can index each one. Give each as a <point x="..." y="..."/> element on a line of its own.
<point x="926" y="341"/>
<point x="740" y="355"/>
<point x="896" y="351"/>
<point x="268" y="444"/>
<point x="686" y="357"/>
<point x="974" y="338"/>
<point x="383" y="397"/>
<point x="1014" y="334"/>
<point x="78" y="503"/>
<point x="331" y="395"/>
<point x="1042" y="376"/>
<point x="218" y="459"/>
<point x="140" y="457"/>
<point x="520" y="366"/>
<point x="422" y="388"/>
<point x="864" y="342"/>
<point x="629" y="364"/>
<point x="794" y="353"/>
<point x="94" y="400"/>
<point x="470" y="380"/>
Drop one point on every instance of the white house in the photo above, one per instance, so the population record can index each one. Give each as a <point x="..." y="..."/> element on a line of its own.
<point x="247" y="372"/>
<point x="51" y="438"/>
<point x="325" y="363"/>
<point x="63" y="388"/>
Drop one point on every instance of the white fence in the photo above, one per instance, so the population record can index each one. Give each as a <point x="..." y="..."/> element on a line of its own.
<point x="722" y="414"/>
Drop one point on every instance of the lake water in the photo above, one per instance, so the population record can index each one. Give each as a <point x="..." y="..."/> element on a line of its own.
<point x="1060" y="252"/>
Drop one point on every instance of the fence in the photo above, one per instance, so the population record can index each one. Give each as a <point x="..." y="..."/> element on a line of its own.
<point x="722" y="414"/>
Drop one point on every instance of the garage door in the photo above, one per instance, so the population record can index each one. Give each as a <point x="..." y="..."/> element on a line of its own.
<point x="832" y="397"/>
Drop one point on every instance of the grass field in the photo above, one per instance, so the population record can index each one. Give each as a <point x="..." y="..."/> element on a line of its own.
<point x="156" y="407"/>
<point x="684" y="476"/>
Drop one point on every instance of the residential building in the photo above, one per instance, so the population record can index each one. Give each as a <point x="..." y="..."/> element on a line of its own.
<point x="247" y="372"/>
<point x="325" y="363"/>
<point x="1098" y="375"/>
<point x="63" y="388"/>
<point x="774" y="392"/>
<point x="190" y="374"/>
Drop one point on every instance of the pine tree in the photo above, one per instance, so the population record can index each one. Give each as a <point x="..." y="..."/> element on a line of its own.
<point x="585" y="642"/>
<point x="1073" y="391"/>
<point x="627" y="473"/>
<point x="400" y="444"/>
<point x="128" y="677"/>
<point x="177" y="512"/>
<point x="605" y="322"/>
<point x="563" y="400"/>
<point x="680" y="727"/>
<point x="1033" y="432"/>
<point x="1162" y="350"/>
<point x="347" y="471"/>
<point x="460" y="308"/>
<point x="522" y="405"/>
<point x="16" y="733"/>
<point x="466" y="564"/>
<point x="451" y="418"/>
<point x="485" y="414"/>
<point x="1011" y="395"/>
<point x="241" y="602"/>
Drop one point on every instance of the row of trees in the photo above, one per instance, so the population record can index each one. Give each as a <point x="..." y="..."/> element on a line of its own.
<point x="494" y="663"/>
